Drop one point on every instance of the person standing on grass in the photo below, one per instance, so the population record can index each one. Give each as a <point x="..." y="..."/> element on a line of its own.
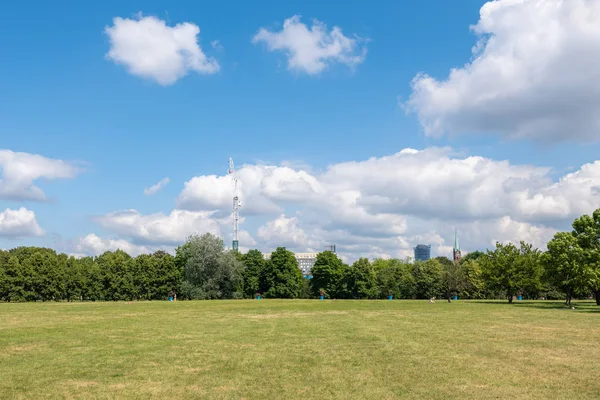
<point x="171" y="295"/>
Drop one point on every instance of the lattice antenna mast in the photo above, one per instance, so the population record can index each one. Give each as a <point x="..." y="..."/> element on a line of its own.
<point x="236" y="205"/>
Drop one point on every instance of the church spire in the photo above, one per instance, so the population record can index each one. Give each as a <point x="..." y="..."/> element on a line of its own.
<point x="456" y="246"/>
<point x="456" y="250"/>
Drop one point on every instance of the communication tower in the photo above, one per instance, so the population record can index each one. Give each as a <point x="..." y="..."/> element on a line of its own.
<point x="236" y="205"/>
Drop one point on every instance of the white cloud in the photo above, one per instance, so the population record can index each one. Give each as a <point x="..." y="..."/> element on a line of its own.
<point x="19" y="223"/>
<point x="535" y="73"/>
<point x="93" y="245"/>
<point x="20" y="170"/>
<point x="144" y="234"/>
<point x="159" y="228"/>
<point x="211" y="192"/>
<point x="385" y="206"/>
<point x="431" y="183"/>
<point x="284" y="231"/>
<point x="312" y="50"/>
<point x="506" y="230"/>
<point x="156" y="187"/>
<point x="149" y="48"/>
<point x="379" y="207"/>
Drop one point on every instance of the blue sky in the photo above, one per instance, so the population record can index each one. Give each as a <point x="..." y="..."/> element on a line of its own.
<point x="65" y="99"/>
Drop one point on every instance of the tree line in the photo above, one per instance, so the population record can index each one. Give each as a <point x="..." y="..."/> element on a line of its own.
<point x="202" y="268"/>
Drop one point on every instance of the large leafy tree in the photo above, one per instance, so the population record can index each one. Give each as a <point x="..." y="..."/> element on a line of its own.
<point x="19" y="280"/>
<point x="428" y="279"/>
<point x="92" y="282"/>
<point x="116" y="268"/>
<point x="512" y="270"/>
<point x="444" y="261"/>
<point x="167" y="275"/>
<point x="75" y="279"/>
<point x="211" y="272"/>
<point x="472" y="256"/>
<point x="359" y="281"/>
<point x="565" y="265"/>
<point x="4" y="255"/>
<point x="394" y="277"/>
<point x="254" y="263"/>
<point x="473" y="284"/>
<point x="586" y="230"/>
<point x="144" y="273"/>
<point x="327" y="275"/>
<point x="281" y="277"/>
<point x="47" y="272"/>
<point x="453" y="278"/>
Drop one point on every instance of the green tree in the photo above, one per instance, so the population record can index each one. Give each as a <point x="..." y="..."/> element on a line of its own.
<point x="211" y="272"/>
<point x="92" y="283"/>
<point x="474" y="285"/>
<point x="167" y="276"/>
<point x="359" y="281"/>
<point x="116" y="274"/>
<point x="394" y="277"/>
<point x="454" y="279"/>
<point x="327" y="274"/>
<point x="512" y="270"/>
<point x="306" y="290"/>
<point x="48" y="273"/>
<point x="281" y="277"/>
<point x="472" y="256"/>
<point x="144" y="275"/>
<point x="428" y="277"/>
<point x="254" y="264"/>
<point x="444" y="261"/>
<point x="565" y="265"/>
<point x="19" y="280"/>
<point x="531" y="267"/>
<point x="4" y="255"/>
<point x="586" y="230"/>
<point x="74" y="279"/>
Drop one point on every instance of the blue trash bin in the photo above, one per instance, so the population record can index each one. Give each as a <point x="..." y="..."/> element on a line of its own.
<point x="321" y="297"/>
<point x="257" y="297"/>
<point x="390" y="297"/>
<point x="454" y="297"/>
<point x="519" y="297"/>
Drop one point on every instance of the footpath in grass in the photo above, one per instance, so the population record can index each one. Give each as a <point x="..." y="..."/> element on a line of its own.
<point x="277" y="349"/>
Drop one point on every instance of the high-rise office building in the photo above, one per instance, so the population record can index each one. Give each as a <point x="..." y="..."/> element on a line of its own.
<point x="422" y="252"/>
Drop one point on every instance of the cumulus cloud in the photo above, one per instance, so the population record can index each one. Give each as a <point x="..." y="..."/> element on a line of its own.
<point x="149" y="48"/>
<point x="159" y="228"/>
<point x="20" y="170"/>
<point x="93" y="245"/>
<point x="378" y="207"/>
<point x="386" y="205"/>
<point x="156" y="187"/>
<point x="19" y="223"/>
<point x="312" y="50"/>
<point x="535" y="73"/>
<point x="431" y="183"/>
<point x="211" y="192"/>
<point x="284" y="231"/>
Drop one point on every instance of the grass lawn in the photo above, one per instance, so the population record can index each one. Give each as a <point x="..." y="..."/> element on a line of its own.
<point x="277" y="349"/>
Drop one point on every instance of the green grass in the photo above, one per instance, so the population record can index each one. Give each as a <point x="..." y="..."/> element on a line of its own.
<point x="276" y="349"/>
